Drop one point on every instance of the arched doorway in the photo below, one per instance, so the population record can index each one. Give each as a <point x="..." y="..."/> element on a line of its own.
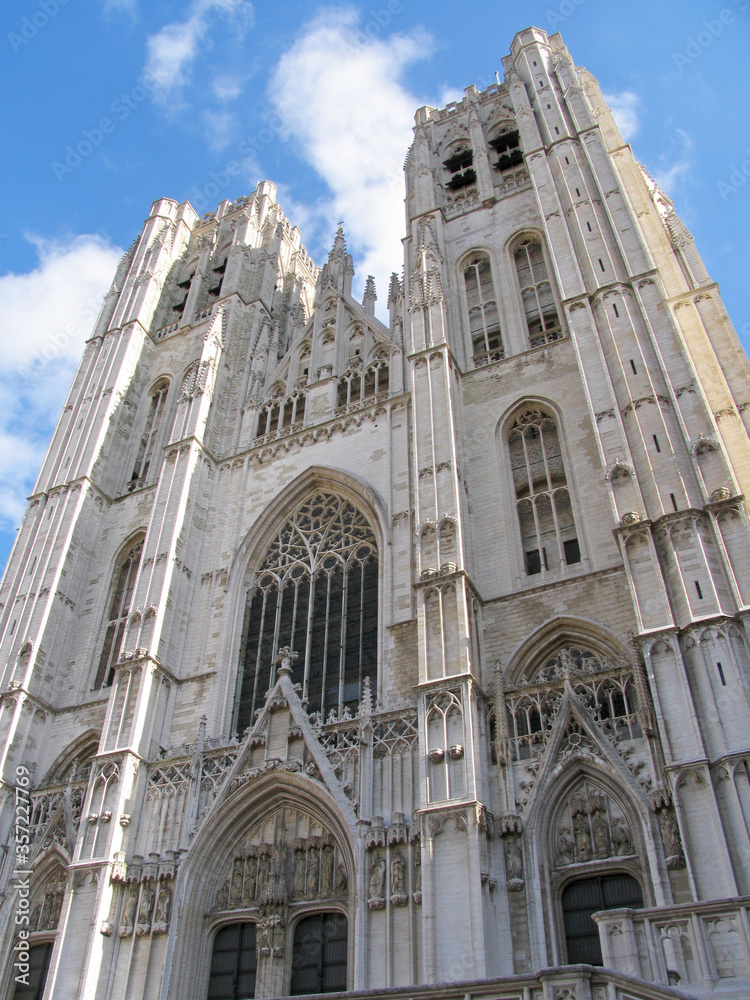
<point x="233" y="963"/>
<point x="319" y="955"/>
<point x="585" y="896"/>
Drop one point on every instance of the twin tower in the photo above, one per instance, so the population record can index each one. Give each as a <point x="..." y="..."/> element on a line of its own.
<point x="339" y="655"/>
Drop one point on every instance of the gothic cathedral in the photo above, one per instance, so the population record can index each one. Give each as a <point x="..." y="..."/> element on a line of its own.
<point x="344" y="656"/>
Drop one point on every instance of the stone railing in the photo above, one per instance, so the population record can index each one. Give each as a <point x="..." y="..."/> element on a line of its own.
<point x="572" y="982"/>
<point x="701" y="948"/>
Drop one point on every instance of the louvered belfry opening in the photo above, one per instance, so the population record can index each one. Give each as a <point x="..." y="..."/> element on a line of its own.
<point x="316" y="591"/>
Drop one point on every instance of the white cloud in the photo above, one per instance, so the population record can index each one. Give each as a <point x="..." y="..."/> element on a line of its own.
<point x="227" y="88"/>
<point x="343" y="103"/>
<point x="625" y="112"/>
<point x="45" y="317"/>
<point x="219" y="128"/>
<point x="676" y="164"/>
<point x="121" y="6"/>
<point x="175" y="47"/>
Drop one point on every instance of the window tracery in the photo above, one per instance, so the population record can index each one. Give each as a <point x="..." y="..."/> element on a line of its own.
<point x="606" y="688"/>
<point x="548" y="532"/>
<point x="315" y="591"/>
<point x="120" y="603"/>
<point x="355" y="388"/>
<point x="150" y="431"/>
<point x="539" y="306"/>
<point x="484" y="323"/>
<point x="282" y="416"/>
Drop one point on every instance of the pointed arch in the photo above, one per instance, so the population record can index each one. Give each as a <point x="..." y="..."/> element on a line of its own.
<point x="558" y="631"/>
<point x="224" y="838"/>
<point x="311" y="578"/>
<point x="79" y="752"/>
<point x="119" y="601"/>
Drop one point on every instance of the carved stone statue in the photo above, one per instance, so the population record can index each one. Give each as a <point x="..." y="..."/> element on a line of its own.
<point x="513" y="859"/>
<point x="417" y="867"/>
<point x="298" y="879"/>
<point x="398" y="874"/>
<point x="265" y="938"/>
<point x="161" y="917"/>
<point x="54" y="916"/>
<point x="144" y="913"/>
<point x="341" y="880"/>
<point x="621" y="837"/>
<point x="128" y="917"/>
<point x="235" y="895"/>
<point x="565" y="847"/>
<point x="222" y="896"/>
<point x="278" y="924"/>
<point x="313" y="872"/>
<point x="377" y="879"/>
<point x="263" y="866"/>
<point x="601" y="835"/>
<point x="670" y="835"/>
<point x="583" y="837"/>
<point x="251" y="878"/>
<point x="326" y="878"/>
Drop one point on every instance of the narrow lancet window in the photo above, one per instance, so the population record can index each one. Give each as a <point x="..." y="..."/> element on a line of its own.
<point x="120" y="602"/>
<point x="484" y="324"/>
<point x="147" y="443"/>
<point x="545" y="515"/>
<point x="539" y="306"/>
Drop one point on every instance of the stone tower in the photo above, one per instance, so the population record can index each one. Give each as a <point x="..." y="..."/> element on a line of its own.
<point x="339" y="655"/>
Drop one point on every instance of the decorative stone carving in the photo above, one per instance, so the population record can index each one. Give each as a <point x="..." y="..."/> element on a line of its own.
<point x="326" y="876"/>
<point x="592" y="827"/>
<point x="621" y="838"/>
<point x="305" y="862"/>
<point x="145" y="910"/>
<point x="161" y="916"/>
<point x="398" y="879"/>
<point x="670" y="835"/>
<point x="565" y="847"/>
<point x="513" y="863"/>
<point x="376" y="836"/>
<point x="128" y="918"/>
<point x="376" y="898"/>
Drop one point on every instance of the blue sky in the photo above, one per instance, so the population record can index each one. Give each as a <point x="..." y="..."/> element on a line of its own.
<point x="110" y="104"/>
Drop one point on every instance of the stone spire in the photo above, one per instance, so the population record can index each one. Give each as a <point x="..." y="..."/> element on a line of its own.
<point x="370" y="297"/>
<point x="339" y="268"/>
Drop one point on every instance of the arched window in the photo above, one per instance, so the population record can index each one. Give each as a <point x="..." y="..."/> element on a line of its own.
<point x="585" y="896"/>
<point x="536" y="291"/>
<point x="120" y="601"/>
<point x="315" y="591"/>
<point x="150" y="431"/>
<point x="233" y="963"/>
<point x="33" y="989"/>
<point x="484" y="325"/>
<point x="548" y="531"/>
<point x="319" y="955"/>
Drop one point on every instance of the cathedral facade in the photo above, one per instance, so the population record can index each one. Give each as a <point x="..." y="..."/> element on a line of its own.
<point x="345" y="656"/>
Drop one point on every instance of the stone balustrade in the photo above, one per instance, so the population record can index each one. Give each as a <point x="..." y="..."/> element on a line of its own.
<point x="702" y="948"/>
